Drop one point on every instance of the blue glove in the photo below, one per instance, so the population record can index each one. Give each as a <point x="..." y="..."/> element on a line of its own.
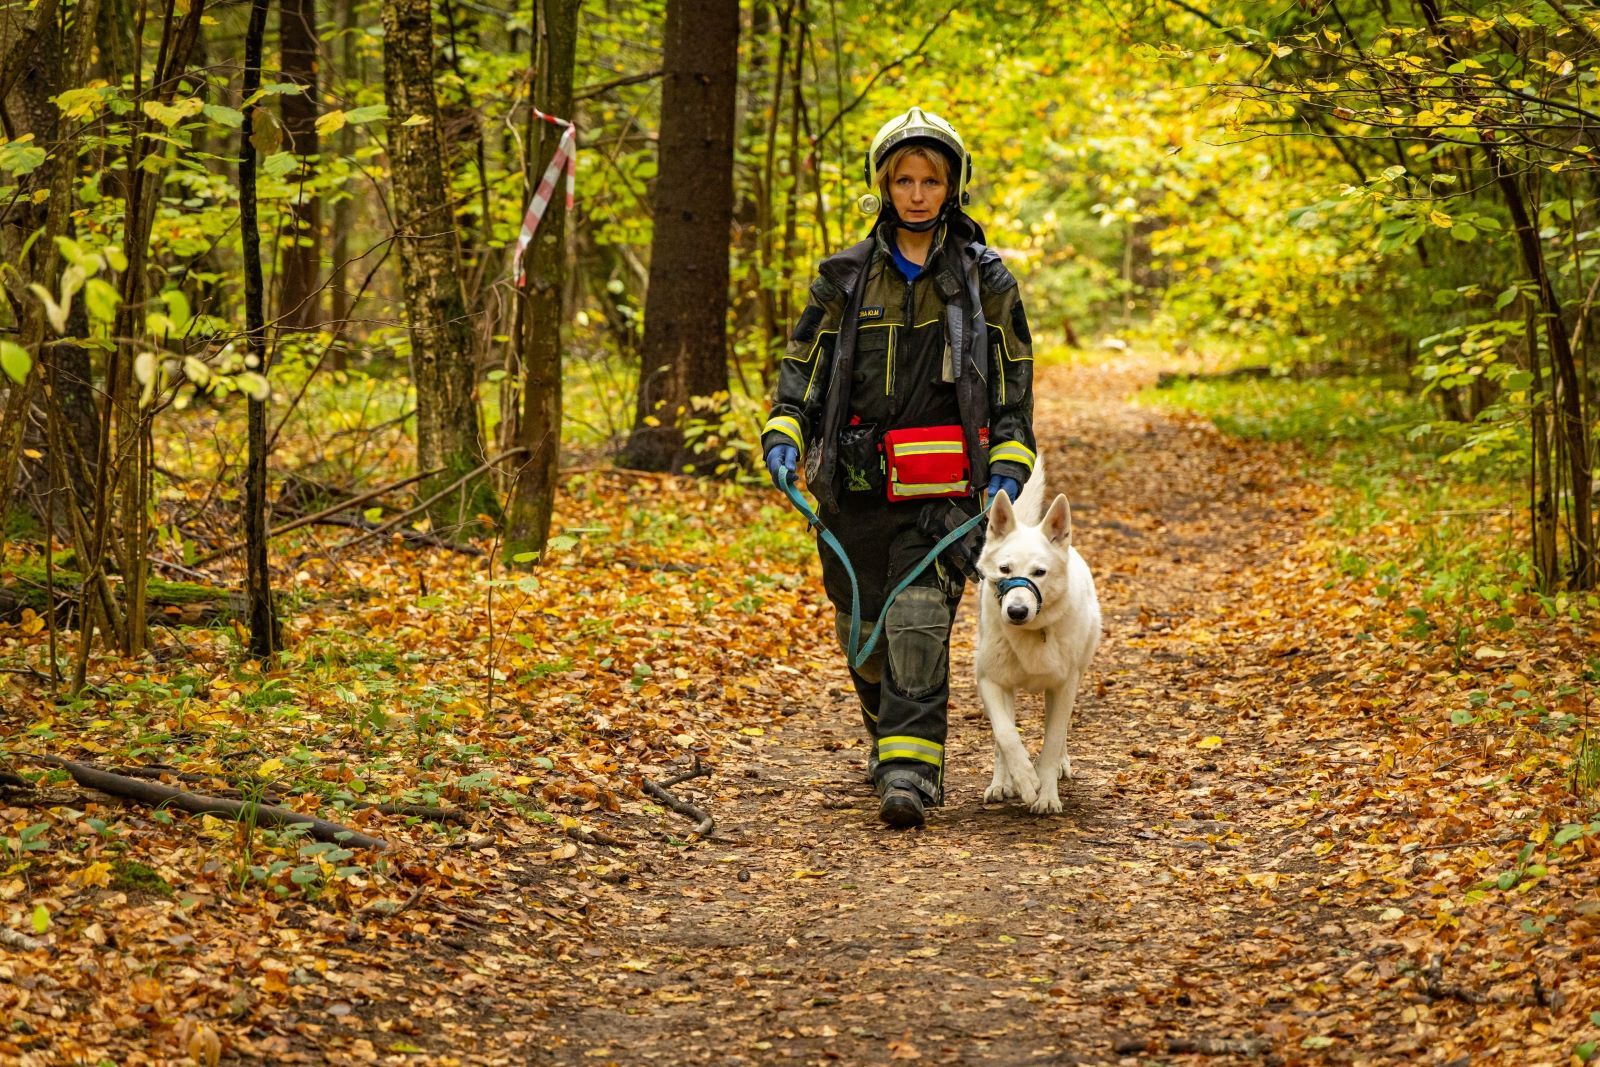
<point x="781" y="455"/>
<point x="1001" y="484"/>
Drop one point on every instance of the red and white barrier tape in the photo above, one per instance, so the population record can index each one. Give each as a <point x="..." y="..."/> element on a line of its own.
<point x="566" y="157"/>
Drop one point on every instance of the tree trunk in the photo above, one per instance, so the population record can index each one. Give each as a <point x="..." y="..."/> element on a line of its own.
<point x="540" y="315"/>
<point x="1568" y="391"/>
<point x="258" y="581"/>
<point x="344" y="214"/>
<point x="685" y="353"/>
<point x="298" y="308"/>
<point x="442" y="367"/>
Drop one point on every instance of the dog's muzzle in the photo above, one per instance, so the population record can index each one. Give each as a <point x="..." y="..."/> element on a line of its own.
<point x="1018" y="612"/>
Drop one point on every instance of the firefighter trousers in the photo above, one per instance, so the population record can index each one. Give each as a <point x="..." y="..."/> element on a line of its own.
<point x="904" y="686"/>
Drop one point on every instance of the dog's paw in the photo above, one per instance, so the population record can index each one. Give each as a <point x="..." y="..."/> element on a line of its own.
<point x="1024" y="784"/>
<point x="1066" y="767"/>
<point x="1048" y="801"/>
<point x="996" y="793"/>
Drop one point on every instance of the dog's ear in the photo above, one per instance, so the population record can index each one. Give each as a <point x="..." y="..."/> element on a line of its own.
<point x="1002" y="520"/>
<point x="1057" y="523"/>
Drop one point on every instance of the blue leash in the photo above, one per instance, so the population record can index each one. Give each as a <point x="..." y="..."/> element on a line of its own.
<point x="858" y="653"/>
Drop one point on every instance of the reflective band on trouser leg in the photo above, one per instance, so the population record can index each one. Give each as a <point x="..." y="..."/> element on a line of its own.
<point x="1012" y="452"/>
<point x="914" y="748"/>
<point x="786" y="425"/>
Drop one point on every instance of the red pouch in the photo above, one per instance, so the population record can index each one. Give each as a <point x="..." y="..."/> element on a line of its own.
<point x="926" y="462"/>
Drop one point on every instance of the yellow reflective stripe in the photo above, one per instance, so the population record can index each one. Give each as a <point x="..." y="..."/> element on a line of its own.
<point x="888" y="378"/>
<point x="812" y="351"/>
<point x="930" y="448"/>
<point x="1002" y="374"/>
<point x="1012" y="452"/>
<point x="786" y="425"/>
<point x="929" y="488"/>
<point x="911" y="748"/>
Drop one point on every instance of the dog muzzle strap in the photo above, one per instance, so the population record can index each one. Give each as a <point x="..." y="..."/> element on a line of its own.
<point x="1005" y="585"/>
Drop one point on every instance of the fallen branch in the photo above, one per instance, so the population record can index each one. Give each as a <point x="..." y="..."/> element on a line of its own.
<point x="428" y="503"/>
<point x="699" y="770"/>
<point x="307" y="520"/>
<point x="158" y="771"/>
<point x="21" y="942"/>
<point x="704" y="823"/>
<point x="595" y="837"/>
<point x="1194" y="1046"/>
<point x="388" y="908"/>
<point x="422" y="811"/>
<point x="158" y="795"/>
<point x="415" y="537"/>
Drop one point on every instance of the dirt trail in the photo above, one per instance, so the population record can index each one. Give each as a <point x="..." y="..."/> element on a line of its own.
<point x="1174" y="900"/>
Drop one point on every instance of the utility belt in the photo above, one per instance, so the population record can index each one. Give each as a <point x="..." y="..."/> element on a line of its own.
<point x="907" y="464"/>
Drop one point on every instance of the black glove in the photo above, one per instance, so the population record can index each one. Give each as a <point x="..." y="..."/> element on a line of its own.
<point x="937" y="520"/>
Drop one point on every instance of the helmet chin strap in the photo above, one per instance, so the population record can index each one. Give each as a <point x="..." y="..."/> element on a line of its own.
<point x="920" y="227"/>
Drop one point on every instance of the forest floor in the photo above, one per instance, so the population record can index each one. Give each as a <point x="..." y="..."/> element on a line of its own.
<point x="1278" y="845"/>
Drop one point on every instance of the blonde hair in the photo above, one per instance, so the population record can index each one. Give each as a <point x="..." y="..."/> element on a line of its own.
<point x="935" y="158"/>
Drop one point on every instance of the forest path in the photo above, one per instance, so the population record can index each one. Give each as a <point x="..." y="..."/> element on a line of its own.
<point x="1178" y="898"/>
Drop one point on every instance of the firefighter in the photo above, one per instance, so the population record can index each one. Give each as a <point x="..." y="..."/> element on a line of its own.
<point x="907" y="388"/>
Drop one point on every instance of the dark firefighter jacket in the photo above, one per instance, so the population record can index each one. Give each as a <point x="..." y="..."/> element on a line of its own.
<point x="873" y="349"/>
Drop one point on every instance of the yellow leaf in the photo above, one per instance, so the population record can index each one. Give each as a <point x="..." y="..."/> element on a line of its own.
<point x="269" y="767"/>
<point x="94" y="874"/>
<point x="1208" y="742"/>
<point x="330" y="122"/>
<point x="925" y="953"/>
<point x="753" y="731"/>
<point x="637" y="966"/>
<point x="565" y="852"/>
<point x="417" y="120"/>
<point x="806" y="872"/>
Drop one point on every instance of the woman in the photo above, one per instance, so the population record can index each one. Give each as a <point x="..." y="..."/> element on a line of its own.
<point x="908" y="386"/>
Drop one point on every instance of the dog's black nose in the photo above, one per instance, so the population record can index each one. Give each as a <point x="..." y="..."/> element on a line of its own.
<point x="1018" y="612"/>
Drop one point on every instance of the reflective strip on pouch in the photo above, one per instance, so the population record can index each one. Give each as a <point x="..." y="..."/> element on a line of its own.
<point x="929" y="488"/>
<point x="1012" y="452"/>
<point x="931" y="448"/>
<point x="786" y="425"/>
<point x="911" y="748"/>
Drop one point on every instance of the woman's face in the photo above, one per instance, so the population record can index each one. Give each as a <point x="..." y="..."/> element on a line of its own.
<point x="917" y="189"/>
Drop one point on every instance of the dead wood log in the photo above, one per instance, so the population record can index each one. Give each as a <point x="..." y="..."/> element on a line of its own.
<point x="168" y="603"/>
<point x="704" y="823"/>
<point x="158" y="795"/>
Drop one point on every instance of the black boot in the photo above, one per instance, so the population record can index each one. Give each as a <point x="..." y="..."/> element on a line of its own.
<point x="901" y="806"/>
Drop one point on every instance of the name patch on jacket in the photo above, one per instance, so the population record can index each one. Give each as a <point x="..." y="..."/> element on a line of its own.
<point x="869" y="313"/>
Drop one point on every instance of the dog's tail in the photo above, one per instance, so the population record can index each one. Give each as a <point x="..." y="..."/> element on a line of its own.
<point x="1031" y="504"/>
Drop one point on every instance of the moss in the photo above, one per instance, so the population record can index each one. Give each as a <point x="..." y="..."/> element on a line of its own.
<point x="134" y="877"/>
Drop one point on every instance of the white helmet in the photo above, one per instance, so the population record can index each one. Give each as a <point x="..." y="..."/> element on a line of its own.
<point x="918" y="126"/>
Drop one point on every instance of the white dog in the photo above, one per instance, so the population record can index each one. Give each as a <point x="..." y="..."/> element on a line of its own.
<point x="1038" y="628"/>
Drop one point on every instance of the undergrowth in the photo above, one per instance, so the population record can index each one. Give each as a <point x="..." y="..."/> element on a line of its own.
<point x="1446" y="540"/>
